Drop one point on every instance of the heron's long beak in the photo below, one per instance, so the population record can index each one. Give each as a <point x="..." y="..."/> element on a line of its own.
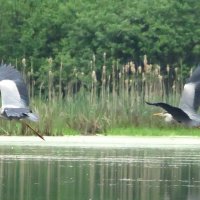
<point x="158" y="114"/>
<point x="33" y="130"/>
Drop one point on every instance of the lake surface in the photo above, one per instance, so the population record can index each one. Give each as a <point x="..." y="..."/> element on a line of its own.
<point x="99" y="168"/>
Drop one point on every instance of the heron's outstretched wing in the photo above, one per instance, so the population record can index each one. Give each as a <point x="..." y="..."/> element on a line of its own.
<point x="195" y="75"/>
<point x="16" y="113"/>
<point x="178" y="114"/>
<point x="190" y="99"/>
<point x="13" y="89"/>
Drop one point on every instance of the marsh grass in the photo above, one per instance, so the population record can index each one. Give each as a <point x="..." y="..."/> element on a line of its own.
<point x="91" y="104"/>
<point x="153" y="131"/>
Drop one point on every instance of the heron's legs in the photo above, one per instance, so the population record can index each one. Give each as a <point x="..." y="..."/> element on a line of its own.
<point x="4" y="130"/>
<point x="26" y="124"/>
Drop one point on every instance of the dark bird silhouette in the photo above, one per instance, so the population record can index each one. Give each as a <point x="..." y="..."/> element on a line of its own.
<point x="186" y="113"/>
<point x="14" y="97"/>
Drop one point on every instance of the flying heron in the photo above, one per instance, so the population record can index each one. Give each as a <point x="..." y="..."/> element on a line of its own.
<point x="186" y="113"/>
<point x="14" y="97"/>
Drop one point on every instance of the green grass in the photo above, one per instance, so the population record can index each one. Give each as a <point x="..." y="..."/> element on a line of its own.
<point x="69" y="131"/>
<point x="111" y="104"/>
<point x="145" y="131"/>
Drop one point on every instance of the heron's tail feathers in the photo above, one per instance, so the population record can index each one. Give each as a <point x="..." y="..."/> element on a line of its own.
<point x="33" y="117"/>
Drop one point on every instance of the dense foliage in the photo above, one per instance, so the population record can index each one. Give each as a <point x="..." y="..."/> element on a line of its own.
<point x="87" y="58"/>
<point x="168" y="31"/>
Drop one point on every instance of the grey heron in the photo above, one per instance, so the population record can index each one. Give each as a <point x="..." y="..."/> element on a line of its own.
<point x="14" y="97"/>
<point x="186" y="113"/>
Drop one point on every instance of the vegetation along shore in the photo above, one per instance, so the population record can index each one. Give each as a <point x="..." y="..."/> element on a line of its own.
<point x="91" y="65"/>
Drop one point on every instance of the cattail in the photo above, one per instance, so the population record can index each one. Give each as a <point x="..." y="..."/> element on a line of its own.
<point x="157" y="70"/>
<point x="94" y="61"/>
<point x="32" y="89"/>
<point x="74" y="70"/>
<point x="126" y="86"/>
<point x="167" y="68"/>
<point x="104" y="58"/>
<point x="94" y="78"/>
<point x="104" y="55"/>
<point x="126" y="82"/>
<point x="60" y="80"/>
<point x="173" y="87"/>
<point x="160" y="78"/>
<point x="91" y="64"/>
<point x="50" y="84"/>
<point x="31" y="71"/>
<point x="29" y="85"/>
<point x="126" y="68"/>
<point x="50" y="61"/>
<point x="148" y="68"/>
<point x="139" y="69"/>
<point x="123" y="69"/>
<point x="104" y="69"/>
<point x="40" y="90"/>
<point x="132" y="67"/>
<point x="143" y="77"/>
<point x="50" y="73"/>
<point x="103" y="75"/>
<point x="191" y="71"/>
<point x="145" y="60"/>
<point x="145" y="63"/>
<point x="120" y="75"/>
<point x="24" y="66"/>
<point x="31" y="81"/>
<point x="93" y="91"/>
<point x="94" y="57"/>
<point x="24" y="62"/>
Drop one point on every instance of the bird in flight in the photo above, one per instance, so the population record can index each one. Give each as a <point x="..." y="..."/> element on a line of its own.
<point x="14" y="97"/>
<point x="186" y="113"/>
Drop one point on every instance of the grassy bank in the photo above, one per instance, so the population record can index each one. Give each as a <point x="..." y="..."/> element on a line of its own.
<point x="99" y="102"/>
<point x="145" y="131"/>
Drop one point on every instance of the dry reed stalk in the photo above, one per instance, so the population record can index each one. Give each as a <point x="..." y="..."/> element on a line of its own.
<point x="114" y="94"/>
<point x="126" y="83"/>
<point x="147" y="76"/>
<point x="29" y="83"/>
<point x="103" y="84"/>
<point x="24" y="67"/>
<point x="121" y="93"/>
<point x="113" y="82"/>
<point x="16" y="63"/>
<point x="176" y="84"/>
<point x="94" y="87"/>
<point x="60" y="80"/>
<point x="94" y="61"/>
<point x="108" y="89"/>
<point x="145" y="62"/>
<point x="75" y="73"/>
<point x="139" y="85"/>
<point x="32" y="82"/>
<point x="132" y="84"/>
<point x="40" y="89"/>
<point x="122" y="85"/>
<point x="50" y="79"/>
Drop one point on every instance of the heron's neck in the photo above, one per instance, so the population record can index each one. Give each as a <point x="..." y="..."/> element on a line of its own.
<point x="1" y="110"/>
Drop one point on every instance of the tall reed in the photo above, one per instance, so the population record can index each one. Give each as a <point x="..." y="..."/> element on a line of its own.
<point x="87" y="104"/>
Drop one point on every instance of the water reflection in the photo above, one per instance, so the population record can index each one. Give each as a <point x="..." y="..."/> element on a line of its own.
<point x="29" y="173"/>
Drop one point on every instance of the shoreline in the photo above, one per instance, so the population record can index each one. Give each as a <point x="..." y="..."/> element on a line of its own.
<point x="104" y="141"/>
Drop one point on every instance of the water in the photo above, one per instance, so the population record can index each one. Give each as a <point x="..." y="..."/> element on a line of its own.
<point x="95" y="168"/>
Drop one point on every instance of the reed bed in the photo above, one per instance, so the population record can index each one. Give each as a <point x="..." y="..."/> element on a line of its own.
<point x="90" y="103"/>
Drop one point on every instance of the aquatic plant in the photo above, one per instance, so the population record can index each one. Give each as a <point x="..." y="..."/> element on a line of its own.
<point x="93" y="102"/>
